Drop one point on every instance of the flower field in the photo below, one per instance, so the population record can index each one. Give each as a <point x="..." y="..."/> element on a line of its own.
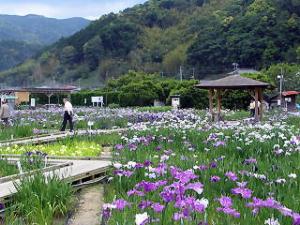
<point x="175" y="167"/>
<point x="182" y="170"/>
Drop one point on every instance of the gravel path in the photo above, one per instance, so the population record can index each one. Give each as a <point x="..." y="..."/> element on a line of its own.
<point x="90" y="206"/>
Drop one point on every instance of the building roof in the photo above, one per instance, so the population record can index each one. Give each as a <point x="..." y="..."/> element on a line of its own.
<point x="242" y="71"/>
<point x="290" y="93"/>
<point x="44" y="89"/>
<point x="233" y="82"/>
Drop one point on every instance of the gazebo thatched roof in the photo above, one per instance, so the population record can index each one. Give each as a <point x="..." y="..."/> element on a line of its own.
<point x="233" y="82"/>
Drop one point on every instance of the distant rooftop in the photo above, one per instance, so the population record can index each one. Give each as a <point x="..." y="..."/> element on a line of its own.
<point x="242" y="71"/>
<point x="43" y="89"/>
<point x="290" y="93"/>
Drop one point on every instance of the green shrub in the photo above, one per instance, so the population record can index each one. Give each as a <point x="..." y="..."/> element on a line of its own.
<point x="39" y="200"/>
<point x="113" y="106"/>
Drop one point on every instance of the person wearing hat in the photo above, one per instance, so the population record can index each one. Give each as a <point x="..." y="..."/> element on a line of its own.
<point x="4" y="112"/>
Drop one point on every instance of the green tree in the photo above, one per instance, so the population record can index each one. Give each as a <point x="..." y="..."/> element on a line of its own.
<point x="69" y="55"/>
<point x="93" y="51"/>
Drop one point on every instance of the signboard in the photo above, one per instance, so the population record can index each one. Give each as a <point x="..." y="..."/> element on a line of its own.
<point x="96" y="100"/>
<point x="32" y="102"/>
<point x="288" y="99"/>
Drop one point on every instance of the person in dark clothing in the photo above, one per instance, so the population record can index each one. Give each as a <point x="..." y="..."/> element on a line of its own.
<point x="68" y="115"/>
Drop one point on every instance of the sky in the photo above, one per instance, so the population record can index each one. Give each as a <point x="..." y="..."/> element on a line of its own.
<point x="90" y="9"/>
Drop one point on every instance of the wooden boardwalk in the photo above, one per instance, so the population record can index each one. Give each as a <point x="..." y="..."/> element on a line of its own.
<point x="78" y="172"/>
<point x="57" y="136"/>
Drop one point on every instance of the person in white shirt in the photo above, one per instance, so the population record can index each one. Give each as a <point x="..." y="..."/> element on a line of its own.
<point x="68" y="115"/>
<point x="252" y="108"/>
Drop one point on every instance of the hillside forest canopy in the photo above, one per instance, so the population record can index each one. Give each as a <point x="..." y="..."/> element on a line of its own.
<point x="203" y="37"/>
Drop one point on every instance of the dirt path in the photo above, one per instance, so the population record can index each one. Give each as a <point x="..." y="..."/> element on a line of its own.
<point x="90" y="207"/>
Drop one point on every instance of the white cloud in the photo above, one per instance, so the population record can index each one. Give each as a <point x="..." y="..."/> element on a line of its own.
<point x="66" y="10"/>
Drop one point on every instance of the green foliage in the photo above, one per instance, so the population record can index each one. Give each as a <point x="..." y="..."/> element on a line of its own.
<point x="113" y="106"/>
<point x="190" y="96"/>
<point x="141" y="89"/>
<point x="155" y="109"/>
<point x="69" y="55"/>
<point x="13" y="53"/>
<point x="40" y="199"/>
<point x="236" y="100"/>
<point x="174" y="59"/>
<point x="32" y="161"/>
<point x="250" y="33"/>
<point x="161" y="36"/>
<point x="6" y="169"/>
<point x="291" y="74"/>
<point x="23" y="37"/>
<point x="38" y="29"/>
<point x="109" y="97"/>
<point x="93" y="51"/>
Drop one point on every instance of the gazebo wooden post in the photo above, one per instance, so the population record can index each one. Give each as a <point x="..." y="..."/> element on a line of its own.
<point x="219" y="103"/>
<point x="256" y="104"/>
<point x="211" y="103"/>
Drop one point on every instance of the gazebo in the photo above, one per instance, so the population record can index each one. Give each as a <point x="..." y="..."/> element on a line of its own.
<point x="234" y="82"/>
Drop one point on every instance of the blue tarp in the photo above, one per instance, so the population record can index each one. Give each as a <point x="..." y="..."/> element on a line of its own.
<point x="298" y="106"/>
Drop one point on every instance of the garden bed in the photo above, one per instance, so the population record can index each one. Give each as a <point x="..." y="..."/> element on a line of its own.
<point x="89" y="146"/>
<point x="206" y="175"/>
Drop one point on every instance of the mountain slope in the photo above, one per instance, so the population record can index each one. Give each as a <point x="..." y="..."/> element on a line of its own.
<point x="38" y="29"/>
<point x="21" y="37"/>
<point x="203" y="36"/>
<point x="14" y="52"/>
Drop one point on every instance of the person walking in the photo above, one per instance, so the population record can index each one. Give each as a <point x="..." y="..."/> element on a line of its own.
<point x="5" y="112"/>
<point x="68" y="115"/>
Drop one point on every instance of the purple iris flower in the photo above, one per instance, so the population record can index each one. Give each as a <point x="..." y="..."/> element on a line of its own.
<point x="203" y="167"/>
<point x="215" y="179"/>
<point x="147" y="163"/>
<point x="250" y="161"/>
<point x="213" y="164"/>
<point x="119" y="147"/>
<point x="121" y="204"/>
<point x="231" y="176"/>
<point x="230" y="211"/>
<point x="226" y="202"/>
<point x="158" y="148"/>
<point x="219" y="143"/>
<point x="158" y="208"/>
<point x="243" y="191"/>
<point x="145" y="204"/>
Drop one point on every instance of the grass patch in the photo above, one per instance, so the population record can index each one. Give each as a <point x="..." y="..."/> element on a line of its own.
<point x="7" y="169"/>
<point x="40" y="200"/>
<point x="155" y="109"/>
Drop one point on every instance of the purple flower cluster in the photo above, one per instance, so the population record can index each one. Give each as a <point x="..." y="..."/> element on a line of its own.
<point x="226" y="203"/>
<point x="270" y="203"/>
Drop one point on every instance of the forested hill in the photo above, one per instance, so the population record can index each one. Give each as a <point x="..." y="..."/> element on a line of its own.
<point x="35" y="29"/>
<point x="22" y="37"/>
<point x="161" y="35"/>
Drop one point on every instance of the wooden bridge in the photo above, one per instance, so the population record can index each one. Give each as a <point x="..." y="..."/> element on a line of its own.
<point x="73" y="171"/>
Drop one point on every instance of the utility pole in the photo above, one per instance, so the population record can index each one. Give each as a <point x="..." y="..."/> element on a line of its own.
<point x="180" y="72"/>
<point x="193" y="72"/>
<point x="281" y="79"/>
